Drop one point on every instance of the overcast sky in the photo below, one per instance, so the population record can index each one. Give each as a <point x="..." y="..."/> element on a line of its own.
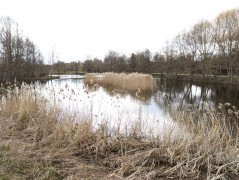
<point x="81" y="28"/>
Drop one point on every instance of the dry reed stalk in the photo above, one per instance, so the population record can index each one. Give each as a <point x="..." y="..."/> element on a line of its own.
<point x="210" y="151"/>
<point x="132" y="82"/>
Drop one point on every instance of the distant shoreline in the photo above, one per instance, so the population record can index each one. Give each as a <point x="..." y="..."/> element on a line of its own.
<point x="69" y="73"/>
<point x="220" y="79"/>
<point x="41" y="78"/>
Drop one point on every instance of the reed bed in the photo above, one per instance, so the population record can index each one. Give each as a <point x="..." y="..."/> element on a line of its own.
<point x="131" y="82"/>
<point x="210" y="150"/>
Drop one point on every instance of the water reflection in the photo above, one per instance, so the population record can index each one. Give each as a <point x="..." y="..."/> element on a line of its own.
<point x="199" y="94"/>
<point x="121" y="109"/>
<point x="118" y="108"/>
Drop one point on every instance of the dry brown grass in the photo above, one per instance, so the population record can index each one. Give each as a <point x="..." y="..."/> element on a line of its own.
<point x="131" y="82"/>
<point x="210" y="151"/>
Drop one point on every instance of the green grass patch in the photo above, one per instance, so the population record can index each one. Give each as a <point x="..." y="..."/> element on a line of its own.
<point x="13" y="166"/>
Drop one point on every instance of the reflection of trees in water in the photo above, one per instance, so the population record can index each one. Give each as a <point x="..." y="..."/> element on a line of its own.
<point x="180" y="93"/>
<point x="198" y="94"/>
<point x="190" y="108"/>
<point x="227" y="94"/>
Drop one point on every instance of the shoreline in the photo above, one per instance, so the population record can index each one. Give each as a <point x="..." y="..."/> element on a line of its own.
<point x="199" y="78"/>
<point x="42" y="78"/>
<point x="69" y="73"/>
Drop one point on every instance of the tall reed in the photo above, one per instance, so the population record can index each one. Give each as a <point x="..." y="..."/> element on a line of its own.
<point x="131" y="82"/>
<point x="209" y="151"/>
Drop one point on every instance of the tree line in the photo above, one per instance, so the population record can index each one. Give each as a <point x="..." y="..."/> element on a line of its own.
<point x="207" y="48"/>
<point x="73" y="67"/>
<point x="19" y="56"/>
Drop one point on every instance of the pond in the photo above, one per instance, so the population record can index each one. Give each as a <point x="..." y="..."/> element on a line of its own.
<point x="121" y="109"/>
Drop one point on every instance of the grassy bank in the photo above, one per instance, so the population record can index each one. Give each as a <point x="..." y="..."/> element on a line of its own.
<point x="41" y="141"/>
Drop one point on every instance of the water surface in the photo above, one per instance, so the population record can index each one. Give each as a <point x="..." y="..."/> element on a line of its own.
<point x="122" y="109"/>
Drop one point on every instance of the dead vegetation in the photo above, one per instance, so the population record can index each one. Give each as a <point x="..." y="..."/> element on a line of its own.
<point x="131" y="82"/>
<point x="59" y="147"/>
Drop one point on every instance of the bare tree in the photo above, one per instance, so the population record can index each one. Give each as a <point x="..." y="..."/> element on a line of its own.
<point x="52" y="59"/>
<point x="18" y="55"/>
<point x="6" y="47"/>
<point x="226" y="38"/>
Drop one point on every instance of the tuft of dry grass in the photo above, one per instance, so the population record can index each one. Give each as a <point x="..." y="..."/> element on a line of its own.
<point x="209" y="151"/>
<point x="132" y="82"/>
